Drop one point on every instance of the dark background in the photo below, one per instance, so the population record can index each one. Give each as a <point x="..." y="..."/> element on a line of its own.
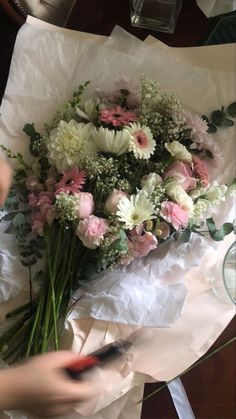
<point x="210" y="386"/>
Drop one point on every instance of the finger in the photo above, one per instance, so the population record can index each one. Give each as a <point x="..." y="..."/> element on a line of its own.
<point x="75" y="392"/>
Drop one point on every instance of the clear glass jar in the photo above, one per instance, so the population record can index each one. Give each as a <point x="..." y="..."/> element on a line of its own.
<point x="159" y="15"/>
<point x="222" y="275"/>
<point x="229" y="272"/>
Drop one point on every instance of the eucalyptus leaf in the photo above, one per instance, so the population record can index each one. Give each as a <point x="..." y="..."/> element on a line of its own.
<point x="217" y="118"/>
<point x="19" y="219"/>
<point x="26" y="253"/>
<point x="211" y="129"/>
<point x="231" y="109"/>
<point x="228" y="228"/>
<point x="30" y="262"/>
<point x="219" y="234"/>
<point x="121" y="243"/>
<point x="29" y="129"/>
<point x="227" y="122"/>
<point x="185" y="236"/>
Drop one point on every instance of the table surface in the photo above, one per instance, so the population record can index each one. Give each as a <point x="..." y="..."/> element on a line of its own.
<point x="211" y="386"/>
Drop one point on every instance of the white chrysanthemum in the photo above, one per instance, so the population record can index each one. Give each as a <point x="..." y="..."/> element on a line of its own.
<point x="135" y="210"/>
<point x="111" y="141"/>
<point x="141" y="142"/>
<point x="69" y="143"/>
<point x="178" y="151"/>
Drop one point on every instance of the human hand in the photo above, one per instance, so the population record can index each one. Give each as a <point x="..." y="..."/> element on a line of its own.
<point x="5" y="180"/>
<point x="42" y="388"/>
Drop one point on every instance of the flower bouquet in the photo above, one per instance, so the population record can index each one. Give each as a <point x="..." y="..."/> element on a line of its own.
<point x="112" y="178"/>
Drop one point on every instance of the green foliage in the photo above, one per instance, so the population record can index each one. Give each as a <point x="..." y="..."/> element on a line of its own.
<point x="36" y="146"/>
<point x="221" y="118"/>
<point x="219" y="234"/>
<point x="120" y="245"/>
<point x="78" y="93"/>
<point x="231" y="109"/>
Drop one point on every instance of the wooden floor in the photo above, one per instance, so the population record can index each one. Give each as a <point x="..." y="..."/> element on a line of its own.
<point x="211" y="386"/>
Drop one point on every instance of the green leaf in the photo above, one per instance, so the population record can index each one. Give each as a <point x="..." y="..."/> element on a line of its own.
<point x="31" y="262"/>
<point x="121" y="243"/>
<point x="185" y="236"/>
<point x="29" y="129"/>
<point x="19" y="219"/>
<point x="211" y="129"/>
<point x="227" y="122"/>
<point x="232" y="109"/>
<point x="228" y="228"/>
<point x="26" y="253"/>
<point x="217" y="118"/>
<point x="223" y="231"/>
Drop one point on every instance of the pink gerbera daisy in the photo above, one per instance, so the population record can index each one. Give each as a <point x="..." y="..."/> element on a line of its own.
<point x="117" y="116"/>
<point x="141" y="143"/>
<point x="71" y="181"/>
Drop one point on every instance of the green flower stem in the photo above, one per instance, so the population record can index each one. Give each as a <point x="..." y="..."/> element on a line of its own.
<point x="52" y="280"/>
<point x="38" y="331"/>
<point x="189" y="369"/>
<point x="51" y="297"/>
<point x="35" y="325"/>
<point x="67" y="271"/>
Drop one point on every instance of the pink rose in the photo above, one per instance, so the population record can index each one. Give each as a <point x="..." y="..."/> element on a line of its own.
<point x="162" y="230"/>
<point x="32" y="184"/>
<point x="91" y="231"/>
<point x="85" y="205"/>
<point x="181" y="173"/>
<point x="37" y="222"/>
<point x="200" y="170"/>
<point x="174" y="214"/>
<point x="113" y="200"/>
<point x="140" y="244"/>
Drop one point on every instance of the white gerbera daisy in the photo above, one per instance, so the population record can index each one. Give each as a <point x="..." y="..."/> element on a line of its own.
<point x="69" y="143"/>
<point x="135" y="210"/>
<point x="111" y="141"/>
<point x="141" y="143"/>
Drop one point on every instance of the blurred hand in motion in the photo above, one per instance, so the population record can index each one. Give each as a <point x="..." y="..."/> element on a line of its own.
<point x="42" y="388"/>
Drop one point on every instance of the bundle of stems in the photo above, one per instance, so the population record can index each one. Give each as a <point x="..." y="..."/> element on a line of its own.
<point x="36" y="329"/>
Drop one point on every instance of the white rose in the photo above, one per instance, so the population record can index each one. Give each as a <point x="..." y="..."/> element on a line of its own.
<point x="178" y="151"/>
<point x="215" y="193"/>
<point x="149" y="182"/>
<point x="178" y="194"/>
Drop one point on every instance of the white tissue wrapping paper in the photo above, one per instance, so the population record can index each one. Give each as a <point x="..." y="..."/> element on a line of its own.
<point x="216" y="7"/>
<point x="203" y="312"/>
